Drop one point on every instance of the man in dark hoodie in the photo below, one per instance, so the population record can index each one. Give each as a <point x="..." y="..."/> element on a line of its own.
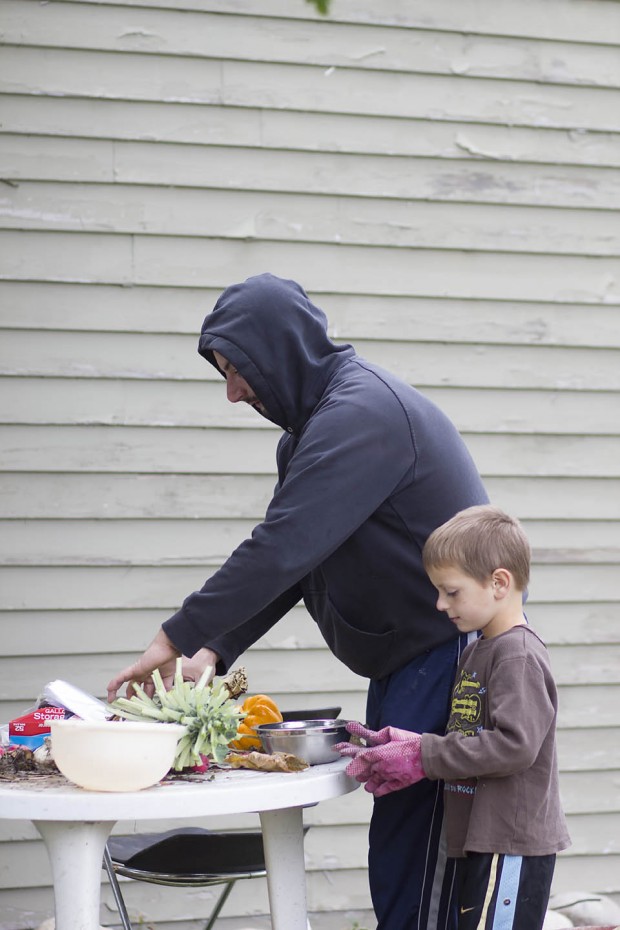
<point x="367" y="469"/>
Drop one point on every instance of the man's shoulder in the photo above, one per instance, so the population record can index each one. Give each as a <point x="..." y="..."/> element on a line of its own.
<point x="388" y="388"/>
<point x="373" y="391"/>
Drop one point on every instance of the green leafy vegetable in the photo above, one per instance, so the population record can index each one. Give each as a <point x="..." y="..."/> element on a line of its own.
<point x="207" y="710"/>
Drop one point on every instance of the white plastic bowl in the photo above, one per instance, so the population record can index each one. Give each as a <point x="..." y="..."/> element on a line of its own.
<point x="113" y="755"/>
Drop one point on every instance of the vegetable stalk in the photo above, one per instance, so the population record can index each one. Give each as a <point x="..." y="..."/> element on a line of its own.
<point x="207" y="711"/>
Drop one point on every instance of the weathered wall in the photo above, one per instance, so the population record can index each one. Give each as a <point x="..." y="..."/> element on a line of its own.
<point x="442" y="176"/>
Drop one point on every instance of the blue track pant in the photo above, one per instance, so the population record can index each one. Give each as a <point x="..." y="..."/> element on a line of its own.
<point x="412" y="883"/>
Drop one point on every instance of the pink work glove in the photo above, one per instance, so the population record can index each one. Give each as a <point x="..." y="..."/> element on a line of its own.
<point x="390" y="761"/>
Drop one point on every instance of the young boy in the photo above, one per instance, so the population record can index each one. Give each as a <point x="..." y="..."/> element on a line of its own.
<point x="498" y="757"/>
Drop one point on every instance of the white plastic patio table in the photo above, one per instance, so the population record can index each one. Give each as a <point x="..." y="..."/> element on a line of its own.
<point x="75" y="825"/>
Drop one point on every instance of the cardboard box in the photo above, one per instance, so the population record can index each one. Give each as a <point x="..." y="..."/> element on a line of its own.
<point x="31" y="729"/>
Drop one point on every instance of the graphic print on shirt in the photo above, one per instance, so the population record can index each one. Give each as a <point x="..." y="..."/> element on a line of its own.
<point x="466" y="715"/>
<point x="466" y="710"/>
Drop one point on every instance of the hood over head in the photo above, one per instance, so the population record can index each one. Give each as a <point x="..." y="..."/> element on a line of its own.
<point x="276" y="338"/>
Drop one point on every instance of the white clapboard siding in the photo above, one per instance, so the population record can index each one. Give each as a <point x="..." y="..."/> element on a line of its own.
<point x="338" y="893"/>
<point x="208" y="541"/>
<point x="347" y="847"/>
<point x="184" y="122"/>
<point x="180" y="310"/>
<point x="351" y="220"/>
<point x="33" y="495"/>
<point x="91" y="631"/>
<point x="116" y="75"/>
<point x="123" y="402"/>
<point x="345" y="889"/>
<point x="206" y="35"/>
<point x="99" y="161"/>
<point x="595" y="23"/>
<point x="443" y="179"/>
<point x="132" y="449"/>
<point x="598" y="666"/>
<point x="588" y="706"/>
<point x="41" y="494"/>
<point x="167" y="261"/>
<point x="144" y="356"/>
<point x="318" y="668"/>
<point x="106" y="587"/>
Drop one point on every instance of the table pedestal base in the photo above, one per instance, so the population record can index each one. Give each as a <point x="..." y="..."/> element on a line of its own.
<point x="76" y="852"/>
<point x="286" y="875"/>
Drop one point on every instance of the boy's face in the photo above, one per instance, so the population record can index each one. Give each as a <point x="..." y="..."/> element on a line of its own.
<point x="469" y="603"/>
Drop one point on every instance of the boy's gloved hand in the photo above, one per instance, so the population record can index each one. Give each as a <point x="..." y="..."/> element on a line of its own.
<point x="395" y="765"/>
<point x="389" y="762"/>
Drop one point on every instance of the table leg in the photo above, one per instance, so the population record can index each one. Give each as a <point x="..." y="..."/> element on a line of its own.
<point x="75" y="852"/>
<point x="283" y="839"/>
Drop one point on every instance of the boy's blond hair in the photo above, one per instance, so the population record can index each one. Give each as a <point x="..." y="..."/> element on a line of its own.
<point x="479" y="540"/>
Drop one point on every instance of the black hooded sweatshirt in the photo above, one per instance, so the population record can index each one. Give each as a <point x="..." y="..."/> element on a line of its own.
<point x="367" y="468"/>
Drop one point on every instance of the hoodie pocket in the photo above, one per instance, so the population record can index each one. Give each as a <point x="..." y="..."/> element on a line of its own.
<point x="368" y="654"/>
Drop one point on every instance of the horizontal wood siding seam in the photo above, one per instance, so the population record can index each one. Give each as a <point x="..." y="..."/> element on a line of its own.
<point x="301" y="88"/>
<point x="595" y="19"/>
<point x="165" y="261"/>
<point x="324" y="44"/>
<point x="344" y="220"/>
<point x="275" y="129"/>
<point x="141" y="309"/>
<point x="351" y="179"/>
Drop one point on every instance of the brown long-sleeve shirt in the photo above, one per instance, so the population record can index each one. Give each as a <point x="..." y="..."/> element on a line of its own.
<point x="498" y="757"/>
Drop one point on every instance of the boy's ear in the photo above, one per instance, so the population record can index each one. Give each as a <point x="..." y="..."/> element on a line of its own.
<point x="502" y="582"/>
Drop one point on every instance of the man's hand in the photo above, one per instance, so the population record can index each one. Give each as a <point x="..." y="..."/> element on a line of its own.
<point x="192" y="668"/>
<point x="161" y="653"/>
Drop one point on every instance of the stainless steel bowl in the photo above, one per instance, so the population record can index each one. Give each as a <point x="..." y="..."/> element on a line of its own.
<point x="310" y="740"/>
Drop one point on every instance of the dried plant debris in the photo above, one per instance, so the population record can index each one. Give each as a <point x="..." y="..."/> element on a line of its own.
<point x="17" y="761"/>
<point x="236" y="681"/>
<point x="262" y="762"/>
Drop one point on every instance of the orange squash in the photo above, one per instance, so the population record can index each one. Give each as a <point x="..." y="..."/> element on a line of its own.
<point x="258" y="708"/>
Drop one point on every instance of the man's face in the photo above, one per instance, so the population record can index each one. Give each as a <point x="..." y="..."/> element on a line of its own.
<point x="237" y="388"/>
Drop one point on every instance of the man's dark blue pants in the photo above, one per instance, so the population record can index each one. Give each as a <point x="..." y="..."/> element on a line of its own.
<point x="411" y="882"/>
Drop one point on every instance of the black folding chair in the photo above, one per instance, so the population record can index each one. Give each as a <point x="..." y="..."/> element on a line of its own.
<point x="184" y="857"/>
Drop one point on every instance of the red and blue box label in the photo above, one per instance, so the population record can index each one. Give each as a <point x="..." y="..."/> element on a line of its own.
<point x="31" y="729"/>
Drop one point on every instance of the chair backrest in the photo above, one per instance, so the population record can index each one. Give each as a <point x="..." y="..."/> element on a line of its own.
<point x="189" y="851"/>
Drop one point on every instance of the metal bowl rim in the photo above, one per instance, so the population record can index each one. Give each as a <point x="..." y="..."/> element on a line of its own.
<point x="301" y="727"/>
